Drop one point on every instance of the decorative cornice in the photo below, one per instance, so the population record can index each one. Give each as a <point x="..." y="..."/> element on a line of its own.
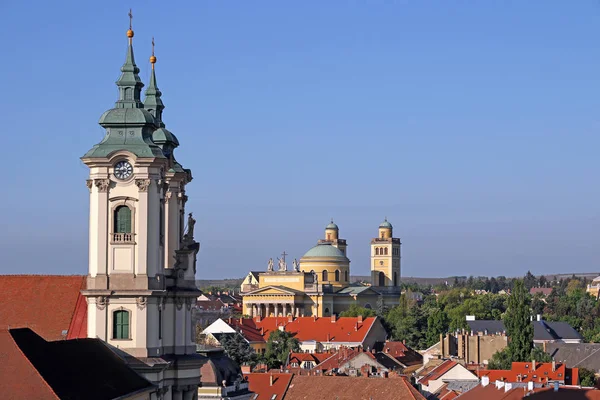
<point x="89" y="183"/>
<point x="142" y="184"/>
<point x="141" y="302"/>
<point x="101" y="302"/>
<point x="102" y="185"/>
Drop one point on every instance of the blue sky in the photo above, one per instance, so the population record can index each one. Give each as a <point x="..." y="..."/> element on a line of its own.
<point x="474" y="126"/>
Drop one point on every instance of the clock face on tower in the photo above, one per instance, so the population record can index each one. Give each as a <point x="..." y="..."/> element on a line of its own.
<point x="123" y="170"/>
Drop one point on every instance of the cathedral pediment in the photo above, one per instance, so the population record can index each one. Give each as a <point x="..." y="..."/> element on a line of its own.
<point x="280" y="290"/>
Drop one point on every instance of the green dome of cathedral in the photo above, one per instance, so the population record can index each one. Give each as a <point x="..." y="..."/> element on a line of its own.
<point x="385" y="224"/>
<point x="324" y="250"/>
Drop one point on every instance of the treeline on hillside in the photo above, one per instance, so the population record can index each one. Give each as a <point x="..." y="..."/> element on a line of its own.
<point x="444" y="307"/>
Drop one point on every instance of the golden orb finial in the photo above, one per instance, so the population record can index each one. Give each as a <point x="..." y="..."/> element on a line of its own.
<point x="130" y="31"/>
<point x="152" y="57"/>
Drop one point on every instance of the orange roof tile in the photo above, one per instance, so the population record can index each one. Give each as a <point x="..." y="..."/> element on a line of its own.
<point x="438" y="372"/>
<point x="343" y="330"/>
<point x="18" y="377"/>
<point x="490" y="392"/>
<point x="48" y="304"/>
<point x="524" y="372"/>
<point x="260" y="383"/>
<point x="351" y="388"/>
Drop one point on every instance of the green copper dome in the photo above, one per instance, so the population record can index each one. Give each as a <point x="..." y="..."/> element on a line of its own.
<point x="163" y="135"/>
<point x="385" y="224"/>
<point x="332" y="225"/>
<point x="324" y="250"/>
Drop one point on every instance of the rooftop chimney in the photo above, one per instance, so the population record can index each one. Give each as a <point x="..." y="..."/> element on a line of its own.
<point x="508" y="386"/>
<point x="333" y="318"/>
<point x="360" y="319"/>
<point x="533" y="365"/>
<point x="556" y="386"/>
<point x="271" y="380"/>
<point x="553" y="365"/>
<point x="530" y="385"/>
<point x="485" y="380"/>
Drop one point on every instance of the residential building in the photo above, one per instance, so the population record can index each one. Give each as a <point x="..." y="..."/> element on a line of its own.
<point x="448" y="371"/>
<point x="33" y="368"/>
<point x="306" y="361"/>
<point x="319" y="284"/>
<point x="581" y="355"/>
<point x="351" y="388"/>
<point x="315" y="334"/>
<point x="543" y="331"/>
<point x="490" y="390"/>
<point x="268" y="386"/>
<point x="221" y="377"/>
<point x="399" y="351"/>
<point x="545" y="292"/>
<point x="593" y="288"/>
<point x="536" y="372"/>
<point x="357" y="362"/>
<point x="472" y="348"/>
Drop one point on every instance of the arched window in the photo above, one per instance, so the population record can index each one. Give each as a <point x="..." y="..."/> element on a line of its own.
<point x="337" y="275"/>
<point x="381" y="279"/>
<point x="385" y="251"/>
<point x="325" y="277"/>
<point x="128" y="94"/>
<point x="329" y="236"/>
<point x="121" y="324"/>
<point x="395" y="279"/>
<point x="346" y="275"/>
<point x="122" y="219"/>
<point x="376" y="251"/>
<point x="326" y="311"/>
<point x="368" y="306"/>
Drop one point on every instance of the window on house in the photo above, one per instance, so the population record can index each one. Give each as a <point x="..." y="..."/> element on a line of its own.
<point x="385" y="251"/>
<point x="337" y="275"/>
<point x="346" y="276"/>
<point x="395" y="279"/>
<point x="381" y="279"/>
<point x="122" y="219"/>
<point x="121" y="324"/>
<point x="325" y="276"/>
<point x="308" y="365"/>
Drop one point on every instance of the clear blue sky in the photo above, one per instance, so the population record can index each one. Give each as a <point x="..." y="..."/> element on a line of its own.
<point x="474" y="126"/>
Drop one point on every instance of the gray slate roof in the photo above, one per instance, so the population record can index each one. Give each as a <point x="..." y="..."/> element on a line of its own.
<point x="542" y="330"/>
<point x="576" y="355"/>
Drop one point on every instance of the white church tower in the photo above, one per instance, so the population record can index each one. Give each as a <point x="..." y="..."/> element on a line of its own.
<point x="141" y="279"/>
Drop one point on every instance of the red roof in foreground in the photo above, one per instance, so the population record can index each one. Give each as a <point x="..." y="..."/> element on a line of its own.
<point x="49" y="304"/>
<point x="344" y="329"/>
<point x="438" y="372"/>
<point x="314" y="357"/>
<point x="351" y="388"/>
<point x="260" y="383"/>
<point x="547" y="393"/>
<point x="19" y="379"/>
<point x="524" y="372"/>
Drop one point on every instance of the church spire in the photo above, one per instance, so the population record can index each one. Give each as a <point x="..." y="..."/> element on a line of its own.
<point x="153" y="102"/>
<point x="129" y="83"/>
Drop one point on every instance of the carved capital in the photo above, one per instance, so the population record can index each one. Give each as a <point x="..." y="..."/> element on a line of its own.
<point x="179" y="302"/>
<point x="101" y="302"/>
<point x="142" y="184"/>
<point x="102" y="184"/>
<point x="161" y="303"/>
<point x="162" y="185"/>
<point x="89" y="183"/>
<point x="168" y="196"/>
<point x="188" y="303"/>
<point x="141" y="302"/>
<point x="182" y="198"/>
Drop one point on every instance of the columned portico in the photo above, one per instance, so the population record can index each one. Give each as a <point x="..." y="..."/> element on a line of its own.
<point x="275" y="309"/>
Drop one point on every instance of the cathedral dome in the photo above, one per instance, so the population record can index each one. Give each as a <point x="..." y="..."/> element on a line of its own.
<point x="332" y="225"/>
<point x="130" y="116"/>
<point x="386" y="224"/>
<point x="325" y="250"/>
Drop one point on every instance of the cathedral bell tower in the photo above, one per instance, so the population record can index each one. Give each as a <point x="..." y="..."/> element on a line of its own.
<point x="141" y="276"/>
<point x="385" y="258"/>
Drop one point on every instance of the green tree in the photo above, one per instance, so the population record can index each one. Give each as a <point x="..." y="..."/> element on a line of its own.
<point x="518" y="323"/>
<point x="437" y="323"/>
<point x="279" y="346"/>
<point x="500" y="360"/>
<point x="587" y="377"/>
<point x="238" y="349"/>
<point x="355" y="310"/>
<point x="529" y="281"/>
<point x="539" y="355"/>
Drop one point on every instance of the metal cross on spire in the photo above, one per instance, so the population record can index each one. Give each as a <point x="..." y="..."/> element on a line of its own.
<point x="153" y="45"/>
<point x="130" y="18"/>
<point x="283" y="255"/>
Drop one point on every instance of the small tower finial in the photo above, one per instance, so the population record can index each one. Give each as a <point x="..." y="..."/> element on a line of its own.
<point x="130" y="31"/>
<point x="152" y="57"/>
<point x="332" y="220"/>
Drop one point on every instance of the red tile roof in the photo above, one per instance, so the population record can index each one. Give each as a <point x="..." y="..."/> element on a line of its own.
<point x="524" y="372"/>
<point x="490" y="392"/>
<point x="260" y="383"/>
<point x="18" y="378"/>
<point x="49" y="304"/>
<point x="402" y="353"/>
<point x="438" y="372"/>
<point x="351" y="388"/>
<point x="314" y="357"/>
<point x="342" y="356"/>
<point x="343" y="330"/>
